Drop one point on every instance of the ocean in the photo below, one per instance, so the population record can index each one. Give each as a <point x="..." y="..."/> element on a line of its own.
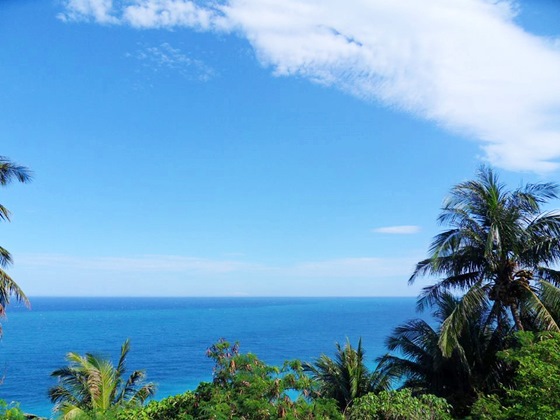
<point x="169" y="336"/>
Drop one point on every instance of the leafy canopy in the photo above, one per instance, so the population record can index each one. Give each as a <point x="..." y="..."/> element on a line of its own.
<point x="535" y="390"/>
<point x="499" y="249"/>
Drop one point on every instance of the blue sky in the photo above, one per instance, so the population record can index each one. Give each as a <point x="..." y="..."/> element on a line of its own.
<point x="261" y="147"/>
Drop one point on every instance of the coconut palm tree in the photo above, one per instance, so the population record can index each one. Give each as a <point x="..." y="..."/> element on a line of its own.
<point x="499" y="250"/>
<point x="9" y="172"/>
<point x="420" y="365"/>
<point x="345" y="377"/>
<point x="92" y="384"/>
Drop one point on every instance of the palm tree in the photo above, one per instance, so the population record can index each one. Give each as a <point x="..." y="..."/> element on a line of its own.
<point x="420" y="365"/>
<point x="9" y="172"/>
<point x="92" y="384"/>
<point x="346" y="377"/>
<point x="499" y="250"/>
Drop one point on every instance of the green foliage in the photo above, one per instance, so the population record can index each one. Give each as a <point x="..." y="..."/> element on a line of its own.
<point x="488" y="407"/>
<point x="399" y="405"/>
<point x="85" y="414"/>
<point x="471" y="369"/>
<point x="535" y="390"/>
<point x="175" y="407"/>
<point x="10" y="411"/>
<point x="91" y="386"/>
<point x="346" y="377"/>
<point x="246" y="388"/>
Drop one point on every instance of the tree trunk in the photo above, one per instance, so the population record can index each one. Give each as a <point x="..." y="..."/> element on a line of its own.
<point x="516" y="317"/>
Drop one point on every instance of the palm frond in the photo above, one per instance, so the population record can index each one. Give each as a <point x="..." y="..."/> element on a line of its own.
<point x="4" y="213"/>
<point x="10" y="171"/>
<point x="91" y="382"/>
<point x="5" y="257"/>
<point x="535" y="305"/>
<point x="135" y="391"/>
<point x="451" y="328"/>
<point x="549" y="295"/>
<point x="549" y="275"/>
<point x="430" y="295"/>
<point x="343" y="378"/>
<point x="9" y="288"/>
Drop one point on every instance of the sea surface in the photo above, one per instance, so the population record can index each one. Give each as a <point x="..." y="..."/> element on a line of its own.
<point x="169" y="336"/>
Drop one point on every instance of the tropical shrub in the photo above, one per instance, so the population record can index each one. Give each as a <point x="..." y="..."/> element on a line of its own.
<point x="244" y="387"/>
<point x="346" y="377"/>
<point x="488" y="407"/>
<point x="174" y="407"/>
<point x="535" y="389"/>
<point x="91" y="386"/>
<point x="399" y="405"/>
<point x="11" y="411"/>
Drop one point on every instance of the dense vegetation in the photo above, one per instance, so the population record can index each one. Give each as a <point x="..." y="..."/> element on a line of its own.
<point x="492" y="352"/>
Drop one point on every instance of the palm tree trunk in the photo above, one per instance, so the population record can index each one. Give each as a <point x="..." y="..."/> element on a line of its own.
<point x="516" y="317"/>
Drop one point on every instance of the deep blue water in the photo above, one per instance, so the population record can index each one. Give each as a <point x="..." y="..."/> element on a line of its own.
<point x="169" y="336"/>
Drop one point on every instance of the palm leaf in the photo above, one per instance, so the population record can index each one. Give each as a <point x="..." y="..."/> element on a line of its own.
<point x="5" y="257"/>
<point x="550" y="275"/>
<point x="550" y="297"/>
<point x="8" y="288"/>
<point x="536" y="305"/>
<point x="343" y="378"/>
<point x="430" y="295"/>
<point x="10" y="171"/>
<point x="91" y="382"/>
<point x="451" y="328"/>
<point x="4" y="213"/>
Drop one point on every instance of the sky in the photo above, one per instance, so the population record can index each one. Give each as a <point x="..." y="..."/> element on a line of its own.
<point x="261" y="147"/>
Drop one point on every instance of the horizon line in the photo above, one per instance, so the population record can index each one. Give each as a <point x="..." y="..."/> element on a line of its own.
<point x="218" y="296"/>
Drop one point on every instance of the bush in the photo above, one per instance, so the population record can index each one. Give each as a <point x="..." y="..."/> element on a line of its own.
<point x="535" y="390"/>
<point x="175" y="407"/>
<point x="10" y="411"/>
<point x="488" y="407"/>
<point x="399" y="405"/>
<point x="245" y="387"/>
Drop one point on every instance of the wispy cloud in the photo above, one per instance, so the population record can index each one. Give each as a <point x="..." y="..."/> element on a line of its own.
<point x="349" y="267"/>
<point x="398" y="230"/>
<point x="465" y="65"/>
<point x="171" y="13"/>
<point x="89" y="10"/>
<point x="360" y="267"/>
<point x="173" y="275"/>
<point x="143" y="263"/>
<point x="165" y="58"/>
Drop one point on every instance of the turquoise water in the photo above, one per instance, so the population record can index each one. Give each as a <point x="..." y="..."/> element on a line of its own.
<point x="169" y="336"/>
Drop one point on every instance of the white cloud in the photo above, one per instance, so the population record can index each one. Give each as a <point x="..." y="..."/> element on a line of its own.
<point x="99" y="11"/>
<point x="164" y="57"/>
<point x="169" y="13"/>
<point x="465" y="64"/>
<point x="398" y="230"/>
